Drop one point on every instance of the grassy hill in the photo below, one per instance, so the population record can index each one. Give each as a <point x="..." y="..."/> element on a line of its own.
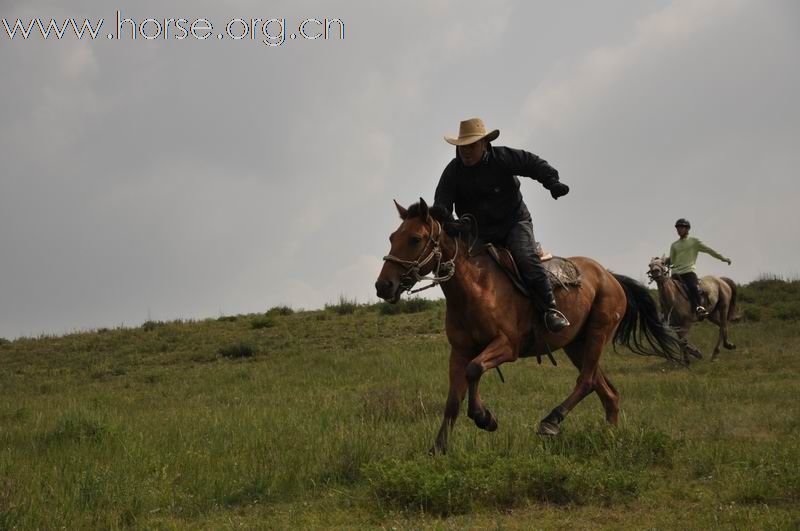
<point x="323" y="419"/>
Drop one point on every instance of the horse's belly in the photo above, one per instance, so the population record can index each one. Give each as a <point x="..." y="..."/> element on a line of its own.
<point x="470" y="339"/>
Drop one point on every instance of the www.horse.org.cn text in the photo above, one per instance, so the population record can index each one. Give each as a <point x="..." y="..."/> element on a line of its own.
<point x="269" y="31"/>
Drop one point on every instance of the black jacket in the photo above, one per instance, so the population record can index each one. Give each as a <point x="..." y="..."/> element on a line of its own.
<point x="490" y="189"/>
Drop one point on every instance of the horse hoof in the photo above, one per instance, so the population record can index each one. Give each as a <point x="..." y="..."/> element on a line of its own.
<point x="436" y="450"/>
<point x="486" y="422"/>
<point x="730" y="346"/>
<point x="548" y="428"/>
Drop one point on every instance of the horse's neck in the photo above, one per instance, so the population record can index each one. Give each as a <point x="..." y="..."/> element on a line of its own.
<point x="669" y="291"/>
<point x="463" y="288"/>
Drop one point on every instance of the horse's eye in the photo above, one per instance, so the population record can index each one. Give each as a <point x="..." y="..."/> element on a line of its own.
<point x="415" y="240"/>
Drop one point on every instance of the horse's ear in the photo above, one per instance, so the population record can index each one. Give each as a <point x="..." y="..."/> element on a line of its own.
<point x="400" y="210"/>
<point x="423" y="209"/>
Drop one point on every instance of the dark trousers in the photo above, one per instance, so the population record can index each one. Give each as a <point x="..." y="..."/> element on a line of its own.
<point x="690" y="281"/>
<point x="521" y="243"/>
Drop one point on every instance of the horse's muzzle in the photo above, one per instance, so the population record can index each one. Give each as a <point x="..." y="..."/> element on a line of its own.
<point x="387" y="290"/>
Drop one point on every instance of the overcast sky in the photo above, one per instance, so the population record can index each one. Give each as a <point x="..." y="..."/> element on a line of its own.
<point x="173" y="178"/>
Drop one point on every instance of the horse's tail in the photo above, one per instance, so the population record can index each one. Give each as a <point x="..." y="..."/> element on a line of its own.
<point x="642" y="323"/>
<point x="733" y="316"/>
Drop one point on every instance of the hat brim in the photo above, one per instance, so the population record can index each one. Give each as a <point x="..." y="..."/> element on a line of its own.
<point x="471" y="139"/>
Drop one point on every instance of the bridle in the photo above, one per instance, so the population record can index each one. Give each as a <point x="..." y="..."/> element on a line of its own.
<point x="442" y="271"/>
<point x="657" y="265"/>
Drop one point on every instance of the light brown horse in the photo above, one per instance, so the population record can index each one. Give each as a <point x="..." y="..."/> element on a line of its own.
<point x="489" y="322"/>
<point x="679" y="314"/>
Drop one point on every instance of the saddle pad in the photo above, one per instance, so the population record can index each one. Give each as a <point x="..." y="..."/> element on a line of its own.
<point x="561" y="271"/>
<point x="707" y="290"/>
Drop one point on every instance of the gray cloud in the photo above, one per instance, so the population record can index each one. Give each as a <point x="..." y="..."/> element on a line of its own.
<point x="184" y="179"/>
<point x="692" y="117"/>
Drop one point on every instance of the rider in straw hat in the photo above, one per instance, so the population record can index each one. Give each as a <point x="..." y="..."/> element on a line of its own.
<point x="482" y="180"/>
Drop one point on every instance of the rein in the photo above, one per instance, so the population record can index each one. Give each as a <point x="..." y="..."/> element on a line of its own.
<point x="663" y="275"/>
<point x="442" y="271"/>
<point x="473" y="229"/>
<point x="662" y="269"/>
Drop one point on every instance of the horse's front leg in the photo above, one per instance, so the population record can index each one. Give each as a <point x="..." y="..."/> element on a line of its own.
<point x="458" y="388"/>
<point x="682" y="331"/>
<point x="721" y="333"/>
<point x="720" y="318"/>
<point x="497" y="352"/>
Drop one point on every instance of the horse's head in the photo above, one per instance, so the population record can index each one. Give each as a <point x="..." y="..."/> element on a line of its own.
<point x="658" y="268"/>
<point x="415" y="252"/>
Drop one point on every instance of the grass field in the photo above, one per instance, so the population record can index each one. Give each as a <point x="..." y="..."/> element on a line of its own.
<point x="323" y="419"/>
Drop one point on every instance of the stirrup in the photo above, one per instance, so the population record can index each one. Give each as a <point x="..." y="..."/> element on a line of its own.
<point x="701" y="311"/>
<point x="557" y="313"/>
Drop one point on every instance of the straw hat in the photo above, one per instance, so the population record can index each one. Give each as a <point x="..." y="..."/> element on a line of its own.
<point x="471" y="131"/>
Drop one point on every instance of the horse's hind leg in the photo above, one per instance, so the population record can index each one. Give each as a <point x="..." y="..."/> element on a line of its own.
<point x="719" y="339"/>
<point x="608" y="394"/>
<point x="458" y="388"/>
<point x="725" y="343"/>
<point x="585" y="355"/>
<point x="724" y="329"/>
<point x="719" y="317"/>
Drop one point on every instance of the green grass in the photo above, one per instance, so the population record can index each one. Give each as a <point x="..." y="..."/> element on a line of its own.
<point x="597" y="466"/>
<point x="324" y="418"/>
<point x="280" y="310"/>
<point x="262" y="322"/>
<point x="413" y="305"/>
<point x="345" y="306"/>
<point x="238" y="350"/>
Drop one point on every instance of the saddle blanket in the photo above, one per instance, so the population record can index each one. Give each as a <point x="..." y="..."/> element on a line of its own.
<point x="562" y="271"/>
<point x="707" y="291"/>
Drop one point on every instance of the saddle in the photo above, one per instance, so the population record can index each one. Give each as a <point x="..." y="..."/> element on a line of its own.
<point x="702" y="294"/>
<point x="561" y="271"/>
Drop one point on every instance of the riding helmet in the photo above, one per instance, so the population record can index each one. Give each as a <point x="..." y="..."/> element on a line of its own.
<point x="683" y="222"/>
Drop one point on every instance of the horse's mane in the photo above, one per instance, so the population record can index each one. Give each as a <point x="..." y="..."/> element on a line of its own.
<point x="437" y="212"/>
<point x="443" y="216"/>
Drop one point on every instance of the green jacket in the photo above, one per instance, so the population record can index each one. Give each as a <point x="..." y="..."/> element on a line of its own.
<point x="683" y="254"/>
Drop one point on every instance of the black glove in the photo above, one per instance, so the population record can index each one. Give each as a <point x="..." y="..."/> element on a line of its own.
<point x="458" y="227"/>
<point x="559" y="189"/>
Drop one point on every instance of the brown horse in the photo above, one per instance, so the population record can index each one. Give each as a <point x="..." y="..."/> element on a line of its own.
<point x="721" y="292"/>
<point x="490" y="322"/>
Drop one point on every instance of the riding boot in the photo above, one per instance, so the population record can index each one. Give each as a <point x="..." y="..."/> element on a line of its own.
<point x="700" y="312"/>
<point x="542" y="291"/>
<point x="521" y="243"/>
<point x="554" y="320"/>
<point x="692" y="291"/>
